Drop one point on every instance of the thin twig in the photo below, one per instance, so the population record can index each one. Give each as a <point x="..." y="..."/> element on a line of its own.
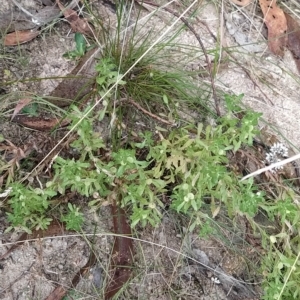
<point x="34" y="18"/>
<point x="235" y="59"/>
<point x="147" y="112"/>
<point x="186" y="23"/>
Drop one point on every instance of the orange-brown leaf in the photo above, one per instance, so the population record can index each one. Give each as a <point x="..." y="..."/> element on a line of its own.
<point x="293" y="43"/>
<point x="68" y="13"/>
<point x="275" y="20"/>
<point x="19" y="37"/>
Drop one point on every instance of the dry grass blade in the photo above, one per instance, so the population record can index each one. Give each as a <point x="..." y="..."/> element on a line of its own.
<point x="209" y="64"/>
<point x="60" y="291"/>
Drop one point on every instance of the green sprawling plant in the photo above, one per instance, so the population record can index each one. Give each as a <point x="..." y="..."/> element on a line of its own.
<point x="187" y="165"/>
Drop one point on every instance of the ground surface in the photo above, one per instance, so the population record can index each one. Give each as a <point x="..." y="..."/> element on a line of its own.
<point x="34" y="269"/>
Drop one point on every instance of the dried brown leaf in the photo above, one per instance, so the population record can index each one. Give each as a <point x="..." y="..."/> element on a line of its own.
<point x="275" y="20"/>
<point x="19" y="37"/>
<point x="293" y="43"/>
<point x="77" y="24"/>
<point x="12" y="155"/>
<point x="21" y="104"/>
<point x="40" y="124"/>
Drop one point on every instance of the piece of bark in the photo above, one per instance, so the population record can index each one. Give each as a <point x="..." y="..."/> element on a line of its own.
<point x="78" y="83"/>
<point x="122" y="255"/>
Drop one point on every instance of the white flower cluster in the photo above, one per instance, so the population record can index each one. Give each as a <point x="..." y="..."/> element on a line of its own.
<point x="280" y="149"/>
<point x="277" y="151"/>
<point x="215" y="280"/>
<point x="6" y="192"/>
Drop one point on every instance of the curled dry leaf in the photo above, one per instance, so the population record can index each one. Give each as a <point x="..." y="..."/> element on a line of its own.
<point x="12" y="154"/>
<point x="78" y="24"/>
<point x="275" y="20"/>
<point x="40" y="124"/>
<point x="19" y="37"/>
<point x="58" y="293"/>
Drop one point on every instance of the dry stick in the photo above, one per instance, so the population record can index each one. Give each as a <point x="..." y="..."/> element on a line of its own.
<point x="146" y="112"/>
<point x="25" y="11"/>
<point x="216" y="100"/>
<point x="272" y="166"/>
